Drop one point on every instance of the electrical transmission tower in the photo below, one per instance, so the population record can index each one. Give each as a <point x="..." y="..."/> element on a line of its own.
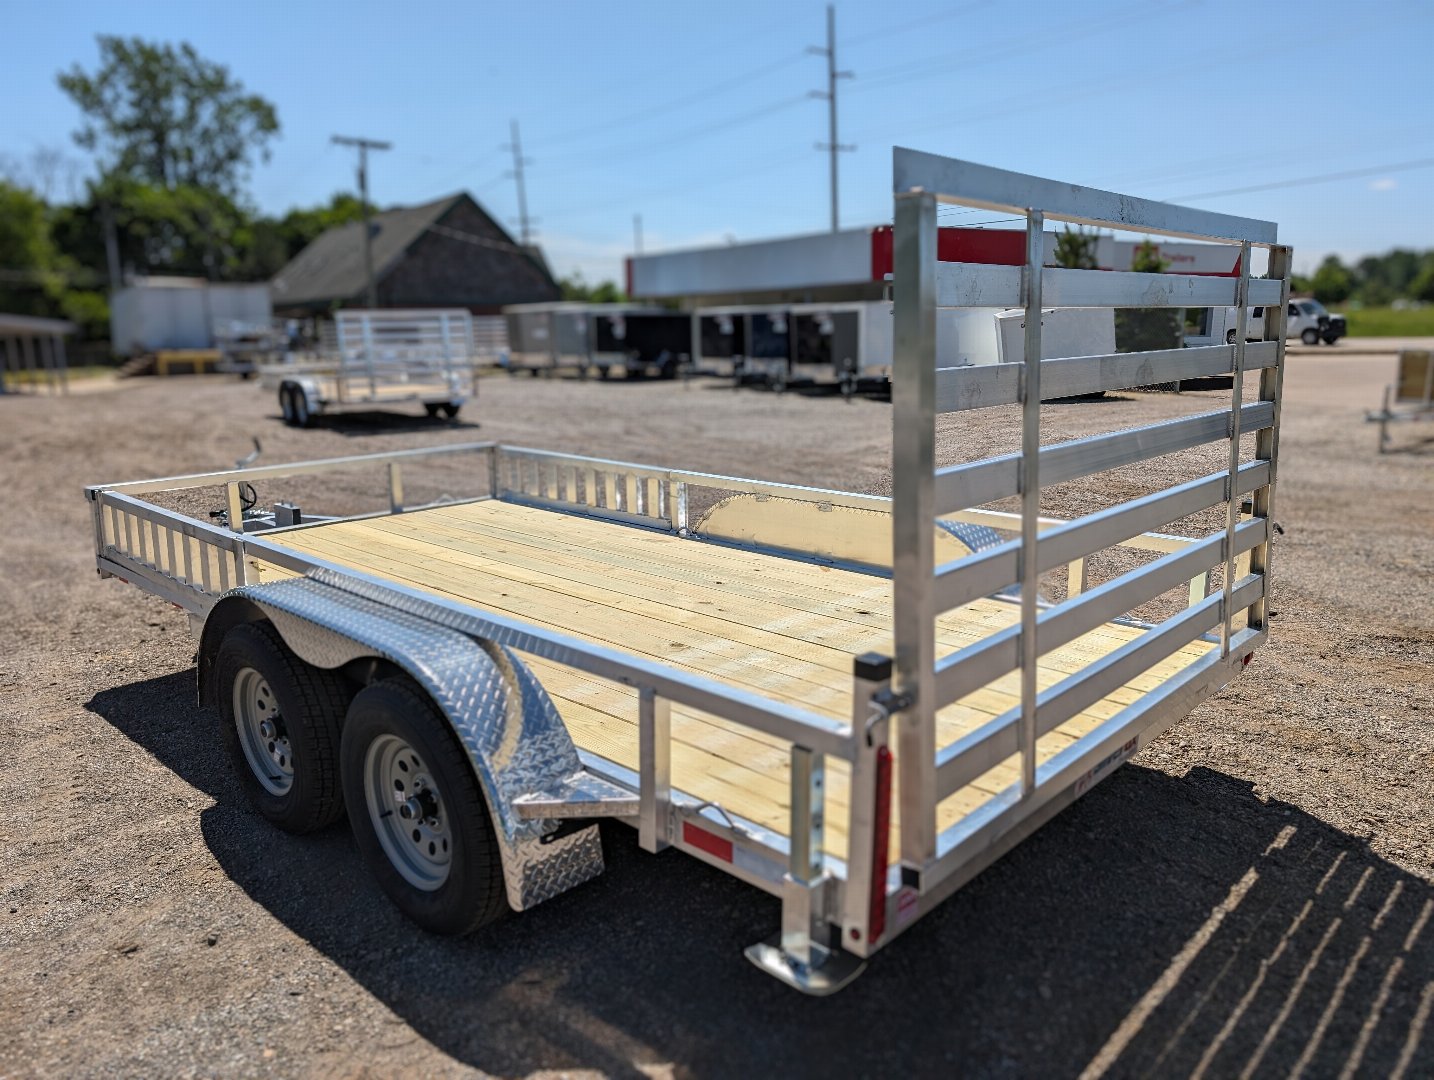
<point x="832" y="146"/>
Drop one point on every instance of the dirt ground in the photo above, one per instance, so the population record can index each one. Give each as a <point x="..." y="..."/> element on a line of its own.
<point x="1252" y="896"/>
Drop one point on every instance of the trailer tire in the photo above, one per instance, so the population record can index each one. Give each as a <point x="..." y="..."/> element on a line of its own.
<point x="603" y="372"/>
<point x="431" y="408"/>
<point x="260" y="681"/>
<point x="1310" y="336"/>
<point x="286" y="404"/>
<point x="450" y="410"/>
<point x="419" y="817"/>
<point x="302" y="416"/>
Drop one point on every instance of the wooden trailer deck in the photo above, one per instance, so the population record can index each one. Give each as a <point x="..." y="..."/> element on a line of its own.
<point x="779" y="627"/>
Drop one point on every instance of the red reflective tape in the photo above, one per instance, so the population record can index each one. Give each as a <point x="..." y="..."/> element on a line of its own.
<point x="880" y="847"/>
<point x="706" y="841"/>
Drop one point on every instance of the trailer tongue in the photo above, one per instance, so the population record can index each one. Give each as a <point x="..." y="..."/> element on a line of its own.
<point x="853" y="703"/>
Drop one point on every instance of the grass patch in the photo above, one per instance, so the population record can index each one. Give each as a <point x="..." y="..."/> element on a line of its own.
<point x="1389" y="322"/>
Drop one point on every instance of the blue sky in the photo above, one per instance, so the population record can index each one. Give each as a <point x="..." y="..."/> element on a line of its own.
<point x="695" y="114"/>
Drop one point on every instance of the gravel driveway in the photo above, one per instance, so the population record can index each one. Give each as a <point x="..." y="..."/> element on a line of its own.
<point x="1253" y="895"/>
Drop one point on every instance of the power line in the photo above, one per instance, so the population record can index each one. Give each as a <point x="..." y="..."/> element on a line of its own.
<point x="695" y="97"/>
<point x="832" y="145"/>
<point x="915" y="24"/>
<point x="1351" y="174"/>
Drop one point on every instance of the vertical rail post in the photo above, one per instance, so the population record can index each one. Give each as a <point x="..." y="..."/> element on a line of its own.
<point x="1267" y="442"/>
<point x="1237" y="400"/>
<point x="867" y="845"/>
<point x="913" y="518"/>
<point x="654" y="766"/>
<point x="236" y="507"/>
<point x="1030" y="490"/>
<point x="804" y="918"/>
<point x="677" y="505"/>
<point x="808" y="814"/>
<point x="395" y="487"/>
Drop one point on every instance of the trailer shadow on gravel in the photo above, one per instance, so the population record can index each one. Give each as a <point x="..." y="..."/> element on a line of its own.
<point x="377" y="422"/>
<point x="1163" y="925"/>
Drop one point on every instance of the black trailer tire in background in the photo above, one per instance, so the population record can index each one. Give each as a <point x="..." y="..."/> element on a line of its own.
<point x="419" y="817"/>
<point x="432" y="409"/>
<point x="286" y="403"/>
<point x="450" y="410"/>
<point x="279" y="721"/>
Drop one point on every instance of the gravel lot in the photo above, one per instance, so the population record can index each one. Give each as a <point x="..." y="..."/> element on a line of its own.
<point x="1253" y="895"/>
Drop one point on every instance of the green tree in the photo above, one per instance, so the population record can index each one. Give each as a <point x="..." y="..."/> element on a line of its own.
<point x="30" y="283"/>
<point x="1146" y="259"/>
<point x="1422" y="287"/>
<point x="165" y="116"/>
<point x="299" y="228"/>
<point x="1142" y="329"/>
<point x="1332" y="283"/>
<point x="575" y="287"/>
<point x="1075" y="249"/>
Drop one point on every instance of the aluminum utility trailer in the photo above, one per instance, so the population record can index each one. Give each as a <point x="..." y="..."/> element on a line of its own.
<point x="381" y="358"/>
<point x="1411" y="398"/>
<point x="853" y="703"/>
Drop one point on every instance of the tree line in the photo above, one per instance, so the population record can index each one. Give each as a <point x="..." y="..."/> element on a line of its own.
<point x="171" y="138"/>
<point x="1374" y="281"/>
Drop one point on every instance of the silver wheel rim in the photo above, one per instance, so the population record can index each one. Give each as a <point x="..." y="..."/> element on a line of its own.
<point x="408" y="813"/>
<point x="261" y="732"/>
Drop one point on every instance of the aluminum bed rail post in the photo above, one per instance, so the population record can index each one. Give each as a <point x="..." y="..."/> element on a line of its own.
<point x="1030" y="491"/>
<point x="913" y="519"/>
<point x="654" y="753"/>
<point x="1237" y="399"/>
<point x="1267" y="442"/>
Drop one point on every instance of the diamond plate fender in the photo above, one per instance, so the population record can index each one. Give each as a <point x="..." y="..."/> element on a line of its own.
<point x="513" y="734"/>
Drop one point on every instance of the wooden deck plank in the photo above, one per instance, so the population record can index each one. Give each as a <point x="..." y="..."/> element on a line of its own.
<point x="779" y="627"/>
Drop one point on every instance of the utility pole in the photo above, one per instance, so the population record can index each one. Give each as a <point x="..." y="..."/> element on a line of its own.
<point x="832" y="146"/>
<point x="364" y="146"/>
<point x="637" y="234"/>
<point x="519" y="161"/>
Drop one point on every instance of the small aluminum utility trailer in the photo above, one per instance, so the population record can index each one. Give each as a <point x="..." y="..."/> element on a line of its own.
<point x="1411" y="398"/>
<point x="381" y="358"/>
<point x="851" y="702"/>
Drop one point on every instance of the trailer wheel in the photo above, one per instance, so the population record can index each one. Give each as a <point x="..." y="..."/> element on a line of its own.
<point x="450" y="410"/>
<point x="603" y="372"/>
<point x="431" y="408"/>
<point x="302" y="416"/>
<point x="280" y="723"/>
<point x="1310" y="336"/>
<point x="419" y="817"/>
<point x="286" y="403"/>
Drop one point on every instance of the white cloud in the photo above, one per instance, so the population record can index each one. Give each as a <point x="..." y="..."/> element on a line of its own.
<point x="1384" y="183"/>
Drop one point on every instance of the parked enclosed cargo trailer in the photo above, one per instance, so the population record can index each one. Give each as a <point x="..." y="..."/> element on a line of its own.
<point x="853" y="703"/>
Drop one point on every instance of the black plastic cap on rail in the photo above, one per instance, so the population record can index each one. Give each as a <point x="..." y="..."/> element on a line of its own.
<point x="872" y="666"/>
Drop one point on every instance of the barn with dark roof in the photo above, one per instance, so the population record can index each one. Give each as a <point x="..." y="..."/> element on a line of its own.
<point x="447" y="253"/>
